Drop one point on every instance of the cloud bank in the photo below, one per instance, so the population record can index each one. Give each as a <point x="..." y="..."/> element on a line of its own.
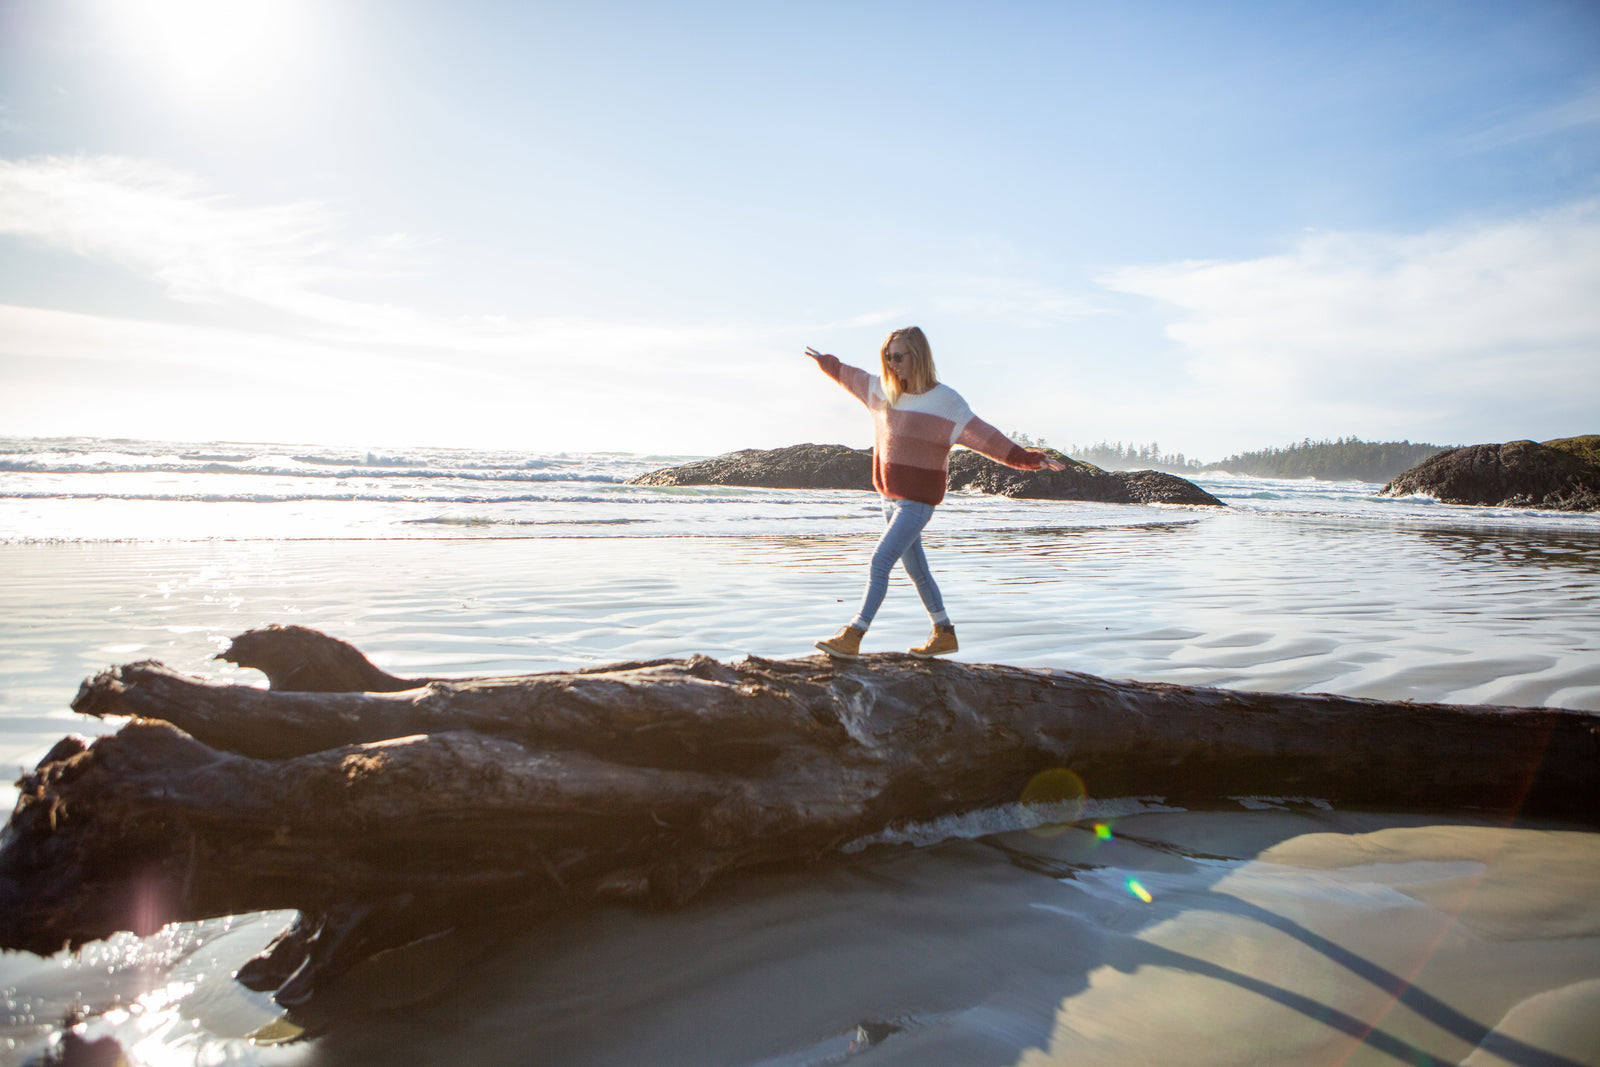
<point x="578" y="382"/>
<point x="1466" y="333"/>
<point x="164" y="225"/>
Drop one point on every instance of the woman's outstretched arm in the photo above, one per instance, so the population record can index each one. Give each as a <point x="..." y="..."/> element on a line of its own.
<point x="985" y="439"/>
<point x="858" y="381"/>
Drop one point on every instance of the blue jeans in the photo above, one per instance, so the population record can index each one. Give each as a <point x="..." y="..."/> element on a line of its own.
<point x="901" y="543"/>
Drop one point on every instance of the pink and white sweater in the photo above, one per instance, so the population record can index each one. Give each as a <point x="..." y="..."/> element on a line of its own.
<point x="912" y="440"/>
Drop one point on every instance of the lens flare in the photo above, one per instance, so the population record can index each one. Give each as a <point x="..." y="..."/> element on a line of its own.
<point x="1102" y="831"/>
<point x="1061" y="793"/>
<point x="1139" y="891"/>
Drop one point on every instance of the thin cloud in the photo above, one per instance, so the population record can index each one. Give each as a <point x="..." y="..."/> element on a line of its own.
<point x="69" y="372"/>
<point x="1574" y="113"/>
<point x="1463" y="324"/>
<point x="167" y="226"/>
<point x="46" y="334"/>
<point x="1003" y="299"/>
<point x="164" y="225"/>
<point x="868" y="318"/>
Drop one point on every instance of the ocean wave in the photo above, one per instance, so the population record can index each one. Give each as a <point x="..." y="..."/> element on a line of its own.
<point x="1008" y="818"/>
<point x="370" y="461"/>
<point x="484" y="521"/>
<point x="196" y="497"/>
<point x="328" y="470"/>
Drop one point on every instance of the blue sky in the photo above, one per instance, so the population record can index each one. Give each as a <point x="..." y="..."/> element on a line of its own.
<point x="1219" y="226"/>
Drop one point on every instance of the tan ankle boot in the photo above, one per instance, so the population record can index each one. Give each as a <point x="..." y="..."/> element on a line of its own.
<point x="846" y="644"/>
<point x="941" y="642"/>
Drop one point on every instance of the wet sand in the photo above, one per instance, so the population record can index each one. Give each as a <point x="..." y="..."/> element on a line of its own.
<point x="1270" y="936"/>
<point x="1284" y="937"/>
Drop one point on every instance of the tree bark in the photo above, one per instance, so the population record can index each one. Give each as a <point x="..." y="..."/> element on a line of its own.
<point x="384" y="816"/>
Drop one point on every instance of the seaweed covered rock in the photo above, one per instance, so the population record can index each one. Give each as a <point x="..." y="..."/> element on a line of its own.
<point x="812" y="466"/>
<point x="1563" y="475"/>
<point x="1080" y="481"/>
<point x="805" y="466"/>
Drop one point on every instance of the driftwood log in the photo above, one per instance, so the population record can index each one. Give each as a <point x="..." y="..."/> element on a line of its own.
<point x="386" y="810"/>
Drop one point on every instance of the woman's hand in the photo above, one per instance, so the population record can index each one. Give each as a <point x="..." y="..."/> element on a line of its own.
<point x="814" y="354"/>
<point x="1048" y="462"/>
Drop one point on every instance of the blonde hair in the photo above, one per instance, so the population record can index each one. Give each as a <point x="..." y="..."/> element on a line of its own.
<point x="919" y="374"/>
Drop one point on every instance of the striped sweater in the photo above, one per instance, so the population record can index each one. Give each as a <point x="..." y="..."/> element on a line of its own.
<point x="912" y="440"/>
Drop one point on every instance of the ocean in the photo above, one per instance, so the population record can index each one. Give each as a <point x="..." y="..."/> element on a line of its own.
<point x="465" y="562"/>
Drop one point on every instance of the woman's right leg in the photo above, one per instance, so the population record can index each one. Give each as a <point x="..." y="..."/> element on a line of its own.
<point x="905" y="520"/>
<point x="916" y="564"/>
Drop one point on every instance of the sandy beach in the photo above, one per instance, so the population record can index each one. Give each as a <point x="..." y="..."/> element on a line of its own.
<point x="1266" y="931"/>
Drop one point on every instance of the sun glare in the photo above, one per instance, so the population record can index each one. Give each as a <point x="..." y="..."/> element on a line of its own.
<point x="207" y="45"/>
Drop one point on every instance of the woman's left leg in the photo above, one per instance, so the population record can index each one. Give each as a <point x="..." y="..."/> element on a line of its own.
<point x="942" y="641"/>
<point x="916" y="564"/>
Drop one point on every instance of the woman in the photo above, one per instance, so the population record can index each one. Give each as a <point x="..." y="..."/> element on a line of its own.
<point x="916" y="421"/>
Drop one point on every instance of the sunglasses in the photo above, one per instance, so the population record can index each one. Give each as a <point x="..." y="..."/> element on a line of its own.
<point x="897" y="359"/>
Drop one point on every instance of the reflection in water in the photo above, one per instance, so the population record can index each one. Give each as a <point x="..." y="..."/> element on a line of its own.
<point x="1538" y="549"/>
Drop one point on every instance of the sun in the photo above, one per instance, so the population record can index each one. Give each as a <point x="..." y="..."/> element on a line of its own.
<point x="207" y="45"/>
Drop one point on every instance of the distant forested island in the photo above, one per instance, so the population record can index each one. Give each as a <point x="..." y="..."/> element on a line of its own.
<point x="1346" y="459"/>
<point x="1343" y="459"/>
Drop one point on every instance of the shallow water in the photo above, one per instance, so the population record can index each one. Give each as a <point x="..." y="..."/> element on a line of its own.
<point x="1242" y="600"/>
<point x="436" y="568"/>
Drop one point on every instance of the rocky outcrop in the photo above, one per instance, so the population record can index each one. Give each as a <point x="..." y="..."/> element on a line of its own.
<point x="796" y="467"/>
<point x="1080" y="481"/>
<point x="1562" y="475"/>
<point x="811" y="466"/>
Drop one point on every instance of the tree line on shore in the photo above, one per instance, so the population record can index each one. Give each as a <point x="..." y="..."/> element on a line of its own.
<point x="1342" y="459"/>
